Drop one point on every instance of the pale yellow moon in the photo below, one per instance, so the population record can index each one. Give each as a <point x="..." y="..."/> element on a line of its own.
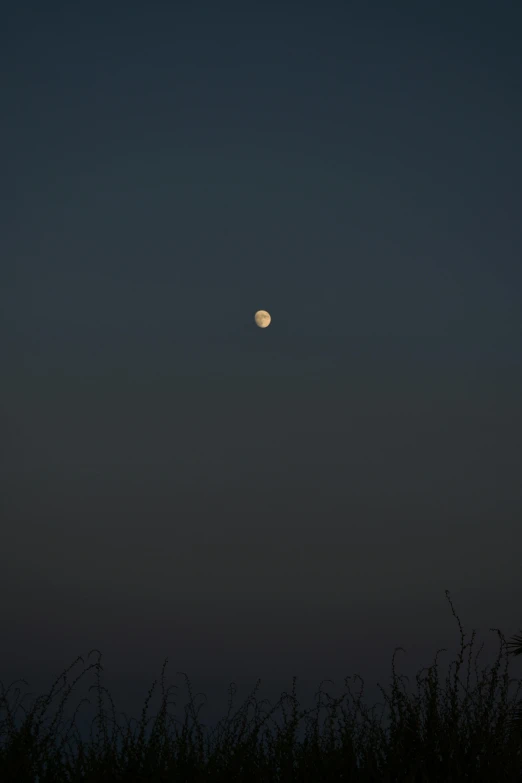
<point x="262" y="318"/>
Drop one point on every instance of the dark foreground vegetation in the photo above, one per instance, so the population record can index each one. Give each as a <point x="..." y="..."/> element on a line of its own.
<point x="450" y="736"/>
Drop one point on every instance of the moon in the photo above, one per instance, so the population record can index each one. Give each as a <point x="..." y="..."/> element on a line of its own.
<point x="262" y="318"/>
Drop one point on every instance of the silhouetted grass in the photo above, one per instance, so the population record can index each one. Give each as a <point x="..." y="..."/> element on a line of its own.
<point x="431" y="736"/>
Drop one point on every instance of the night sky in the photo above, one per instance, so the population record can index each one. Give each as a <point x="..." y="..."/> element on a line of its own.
<point x="258" y="502"/>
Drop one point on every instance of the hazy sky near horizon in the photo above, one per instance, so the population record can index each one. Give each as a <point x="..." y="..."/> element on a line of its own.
<point x="258" y="502"/>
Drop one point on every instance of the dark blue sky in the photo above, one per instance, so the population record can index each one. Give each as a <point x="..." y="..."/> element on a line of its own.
<point x="255" y="502"/>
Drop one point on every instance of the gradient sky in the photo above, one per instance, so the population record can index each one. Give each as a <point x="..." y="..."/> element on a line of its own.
<point x="178" y="482"/>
